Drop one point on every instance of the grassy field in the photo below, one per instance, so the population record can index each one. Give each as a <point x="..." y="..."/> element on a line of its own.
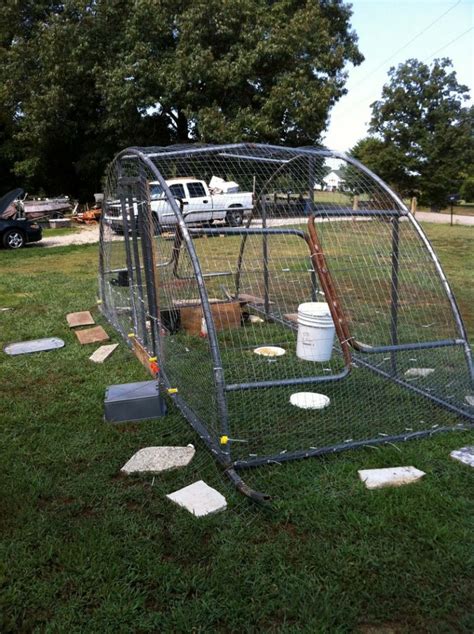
<point x="85" y="549"/>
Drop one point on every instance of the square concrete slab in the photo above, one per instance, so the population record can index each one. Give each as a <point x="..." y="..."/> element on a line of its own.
<point x="199" y="499"/>
<point x="464" y="455"/>
<point x="422" y="372"/>
<point x="91" y="335"/>
<point x="391" y="477"/>
<point x="158" y="459"/>
<point x="101" y="354"/>
<point x="83" y="318"/>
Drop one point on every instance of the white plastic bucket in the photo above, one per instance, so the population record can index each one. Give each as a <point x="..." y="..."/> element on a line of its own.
<point x="315" y="332"/>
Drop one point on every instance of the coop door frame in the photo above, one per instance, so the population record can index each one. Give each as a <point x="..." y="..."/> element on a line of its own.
<point x="141" y="260"/>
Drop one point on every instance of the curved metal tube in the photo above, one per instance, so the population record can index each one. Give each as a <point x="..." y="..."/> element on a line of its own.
<point x="212" y="335"/>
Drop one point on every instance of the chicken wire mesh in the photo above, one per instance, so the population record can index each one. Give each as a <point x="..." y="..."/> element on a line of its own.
<point x="207" y="254"/>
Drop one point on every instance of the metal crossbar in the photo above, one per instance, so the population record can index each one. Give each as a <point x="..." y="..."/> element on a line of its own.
<point x="203" y="290"/>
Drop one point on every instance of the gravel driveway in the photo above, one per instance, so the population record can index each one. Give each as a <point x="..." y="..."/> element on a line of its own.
<point x="89" y="234"/>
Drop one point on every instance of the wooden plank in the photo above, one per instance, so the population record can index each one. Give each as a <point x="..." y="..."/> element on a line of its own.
<point x="142" y="355"/>
<point x="101" y="354"/>
<point x="251" y="299"/>
<point x="83" y="318"/>
<point x="91" y="335"/>
<point x="194" y="302"/>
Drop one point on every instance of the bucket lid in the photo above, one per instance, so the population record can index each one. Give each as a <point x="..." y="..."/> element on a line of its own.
<point x="314" y="309"/>
<point x="309" y="400"/>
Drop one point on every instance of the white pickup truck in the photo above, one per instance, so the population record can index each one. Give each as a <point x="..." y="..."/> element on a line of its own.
<point x="199" y="204"/>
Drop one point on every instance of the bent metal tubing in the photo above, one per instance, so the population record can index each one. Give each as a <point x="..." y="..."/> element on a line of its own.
<point x="350" y="348"/>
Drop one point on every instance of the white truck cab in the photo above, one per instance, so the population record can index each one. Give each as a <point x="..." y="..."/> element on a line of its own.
<point x="199" y="204"/>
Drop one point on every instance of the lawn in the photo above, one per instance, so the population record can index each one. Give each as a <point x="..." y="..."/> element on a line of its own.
<point x="85" y="549"/>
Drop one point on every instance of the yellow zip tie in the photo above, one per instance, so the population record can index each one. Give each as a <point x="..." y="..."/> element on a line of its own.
<point x="99" y="301"/>
<point x="131" y="335"/>
<point x="152" y="360"/>
<point x="172" y="390"/>
<point x="224" y="440"/>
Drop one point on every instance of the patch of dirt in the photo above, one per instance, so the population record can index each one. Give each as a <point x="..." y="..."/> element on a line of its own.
<point x="87" y="234"/>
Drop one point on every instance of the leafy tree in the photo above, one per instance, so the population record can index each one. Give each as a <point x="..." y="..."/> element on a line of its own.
<point x="83" y="78"/>
<point x="423" y="134"/>
<point x="467" y="190"/>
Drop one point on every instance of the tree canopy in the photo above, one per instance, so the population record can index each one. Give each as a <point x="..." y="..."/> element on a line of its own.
<point x="81" y="79"/>
<point x="421" y="135"/>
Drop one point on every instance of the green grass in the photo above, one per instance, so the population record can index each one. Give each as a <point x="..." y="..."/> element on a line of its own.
<point x="84" y="549"/>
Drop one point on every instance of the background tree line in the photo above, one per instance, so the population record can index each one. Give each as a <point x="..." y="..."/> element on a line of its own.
<point x="421" y="136"/>
<point x="81" y="79"/>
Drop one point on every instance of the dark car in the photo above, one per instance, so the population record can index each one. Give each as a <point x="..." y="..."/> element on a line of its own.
<point x="14" y="234"/>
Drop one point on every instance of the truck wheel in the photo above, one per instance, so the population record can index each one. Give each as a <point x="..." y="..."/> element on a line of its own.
<point x="234" y="218"/>
<point x="13" y="239"/>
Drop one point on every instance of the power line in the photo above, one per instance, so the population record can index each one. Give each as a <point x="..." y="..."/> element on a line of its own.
<point x="369" y="75"/>
<point x="362" y="99"/>
<point x="449" y="44"/>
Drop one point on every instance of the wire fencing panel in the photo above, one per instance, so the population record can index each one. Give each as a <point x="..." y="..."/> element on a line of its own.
<point x="204" y="278"/>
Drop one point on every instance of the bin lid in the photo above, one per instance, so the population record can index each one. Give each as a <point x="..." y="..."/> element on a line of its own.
<point x="314" y="309"/>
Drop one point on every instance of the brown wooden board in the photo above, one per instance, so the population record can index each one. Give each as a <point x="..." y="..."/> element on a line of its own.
<point x="194" y="302"/>
<point x="251" y="299"/>
<point x="91" y="335"/>
<point x="225" y="315"/>
<point x="83" y="318"/>
<point x="142" y="355"/>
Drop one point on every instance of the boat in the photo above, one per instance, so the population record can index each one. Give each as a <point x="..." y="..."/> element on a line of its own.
<point x="49" y="207"/>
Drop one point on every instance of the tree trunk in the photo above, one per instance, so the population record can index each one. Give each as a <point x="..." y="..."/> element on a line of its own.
<point x="182" y="127"/>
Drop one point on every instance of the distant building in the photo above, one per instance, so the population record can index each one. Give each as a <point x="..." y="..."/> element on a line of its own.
<point x="333" y="181"/>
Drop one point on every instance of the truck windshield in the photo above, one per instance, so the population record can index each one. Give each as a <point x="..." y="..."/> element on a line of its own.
<point x="196" y="190"/>
<point x="156" y="191"/>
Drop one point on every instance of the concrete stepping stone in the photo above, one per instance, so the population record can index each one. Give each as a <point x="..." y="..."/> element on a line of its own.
<point x="199" y="499"/>
<point x="83" y="318"/>
<point x="470" y="400"/>
<point x="158" y="459"/>
<point x="464" y="455"/>
<point x="35" y="345"/>
<point x="389" y="477"/>
<point x="419" y="372"/>
<point x="101" y="354"/>
<point x="91" y="335"/>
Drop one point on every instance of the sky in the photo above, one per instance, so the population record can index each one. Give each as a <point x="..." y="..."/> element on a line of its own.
<point x="391" y="32"/>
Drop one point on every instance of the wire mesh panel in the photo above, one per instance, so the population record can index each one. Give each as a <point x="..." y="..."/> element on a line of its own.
<point x="211" y="254"/>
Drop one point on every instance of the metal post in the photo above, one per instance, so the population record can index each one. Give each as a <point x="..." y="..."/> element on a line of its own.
<point x="266" y="278"/>
<point x="141" y="324"/>
<point x="394" y="292"/>
<point x="311" y="184"/>
<point x="146" y="226"/>
<point x="128" y="255"/>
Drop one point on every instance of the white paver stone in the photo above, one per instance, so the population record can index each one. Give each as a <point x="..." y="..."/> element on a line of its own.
<point x="470" y="400"/>
<point x="101" y="354"/>
<point x="464" y="455"/>
<point x="390" y="477"/>
<point x="419" y="372"/>
<point x="199" y="499"/>
<point x="159" y="459"/>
